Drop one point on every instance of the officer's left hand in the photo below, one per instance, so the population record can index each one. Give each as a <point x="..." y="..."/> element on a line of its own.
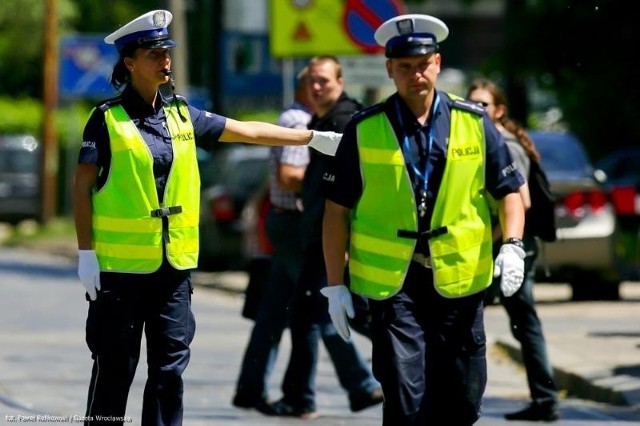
<point x="510" y="264"/>
<point x="340" y="307"/>
<point x="325" y="142"/>
<point x="89" y="272"/>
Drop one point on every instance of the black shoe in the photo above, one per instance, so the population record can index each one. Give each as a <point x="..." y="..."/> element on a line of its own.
<point x="283" y="409"/>
<point x="360" y="402"/>
<point x="241" y="401"/>
<point x="536" y="412"/>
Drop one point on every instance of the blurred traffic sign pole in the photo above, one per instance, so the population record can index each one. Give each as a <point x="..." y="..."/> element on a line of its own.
<point x="49" y="164"/>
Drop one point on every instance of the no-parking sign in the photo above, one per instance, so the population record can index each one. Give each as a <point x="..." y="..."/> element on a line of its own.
<point x="327" y="27"/>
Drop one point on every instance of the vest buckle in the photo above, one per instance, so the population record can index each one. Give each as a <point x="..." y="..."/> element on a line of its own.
<point x="165" y="211"/>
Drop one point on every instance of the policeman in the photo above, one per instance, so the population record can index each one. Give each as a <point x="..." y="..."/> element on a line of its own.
<point x="136" y="208"/>
<point x="409" y="193"/>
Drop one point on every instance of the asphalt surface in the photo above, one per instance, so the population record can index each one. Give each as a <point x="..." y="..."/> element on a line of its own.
<point x="594" y="348"/>
<point x="598" y="360"/>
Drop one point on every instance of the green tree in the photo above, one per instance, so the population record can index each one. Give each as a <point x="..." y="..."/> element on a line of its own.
<point x="22" y="35"/>
<point x="583" y="50"/>
<point x="21" y="43"/>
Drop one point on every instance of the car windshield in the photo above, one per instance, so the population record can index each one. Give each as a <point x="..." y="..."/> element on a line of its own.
<point x="562" y="154"/>
<point x="622" y="165"/>
<point x="239" y="169"/>
<point x="246" y="173"/>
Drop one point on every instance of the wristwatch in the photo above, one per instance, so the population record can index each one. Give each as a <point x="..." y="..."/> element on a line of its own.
<point x="515" y="241"/>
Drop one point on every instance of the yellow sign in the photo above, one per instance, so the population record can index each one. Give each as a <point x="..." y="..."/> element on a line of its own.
<point x="309" y="27"/>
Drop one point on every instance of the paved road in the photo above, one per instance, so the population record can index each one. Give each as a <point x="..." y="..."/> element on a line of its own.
<point x="44" y="364"/>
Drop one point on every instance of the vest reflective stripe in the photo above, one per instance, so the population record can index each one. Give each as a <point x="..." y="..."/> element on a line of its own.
<point x="126" y="237"/>
<point x="379" y="260"/>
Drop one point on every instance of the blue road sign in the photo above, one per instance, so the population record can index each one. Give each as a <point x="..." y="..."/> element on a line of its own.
<point x="363" y="17"/>
<point x="86" y="62"/>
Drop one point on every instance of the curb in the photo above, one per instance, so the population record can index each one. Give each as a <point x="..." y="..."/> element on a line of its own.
<point x="572" y="383"/>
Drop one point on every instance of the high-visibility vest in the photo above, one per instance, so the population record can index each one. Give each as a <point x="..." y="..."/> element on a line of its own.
<point x="127" y="230"/>
<point x="461" y="257"/>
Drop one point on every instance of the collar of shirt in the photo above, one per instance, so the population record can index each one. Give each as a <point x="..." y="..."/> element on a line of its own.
<point x="138" y="108"/>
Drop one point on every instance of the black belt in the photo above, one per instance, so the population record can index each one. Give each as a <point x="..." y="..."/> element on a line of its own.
<point x="402" y="233"/>
<point x="165" y="211"/>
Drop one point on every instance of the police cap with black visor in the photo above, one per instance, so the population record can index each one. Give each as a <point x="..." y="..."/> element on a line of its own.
<point x="148" y="31"/>
<point x="411" y="35"/>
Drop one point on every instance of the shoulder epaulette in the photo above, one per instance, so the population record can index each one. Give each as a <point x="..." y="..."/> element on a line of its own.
<point x="181" y="98"/>
<point x="369" y="111"/>
<point x="106" y="104"/>
<point x="467" y="106"/>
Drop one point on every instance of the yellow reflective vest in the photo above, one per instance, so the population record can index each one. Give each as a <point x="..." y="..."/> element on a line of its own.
<point x="461" y="258"/>
<point x="127" y="231"/>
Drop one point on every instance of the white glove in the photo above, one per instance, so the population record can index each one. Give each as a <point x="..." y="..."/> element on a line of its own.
<point x="89" y="272"/>
<point x="325" y="142"/>
<point x="340" y="307"/>
<point x="510" y="264"/>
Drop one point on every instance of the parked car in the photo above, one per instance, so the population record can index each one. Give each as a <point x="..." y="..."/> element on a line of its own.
<point x="622" y="173"/>
<point x="231" y="178"/>
<point x="20" y="188"/>
<point x="622" y="182"/>
<point x="584" y="254"/>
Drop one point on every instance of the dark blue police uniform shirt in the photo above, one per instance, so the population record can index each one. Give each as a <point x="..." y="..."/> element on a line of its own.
<point x="342" y="181"/>
<point x="150" y="121"/>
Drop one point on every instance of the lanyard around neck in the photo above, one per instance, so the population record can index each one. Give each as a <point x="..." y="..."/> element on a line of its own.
<point x="422" y="175"/>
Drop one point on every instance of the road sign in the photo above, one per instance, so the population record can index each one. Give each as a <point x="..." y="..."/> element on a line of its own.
<point x="363" y="17"/>
<point x="86" y="63"/>
<point x="327" y="27"/>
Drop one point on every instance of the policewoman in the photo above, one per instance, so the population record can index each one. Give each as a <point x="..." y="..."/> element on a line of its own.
<point x="136" y="209"/>
<point x="409" y="194"/>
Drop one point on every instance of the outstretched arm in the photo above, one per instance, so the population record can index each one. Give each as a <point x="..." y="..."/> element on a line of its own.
<point x="258" y="132"/>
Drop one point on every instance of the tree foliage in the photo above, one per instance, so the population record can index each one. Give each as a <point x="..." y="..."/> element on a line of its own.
<point x="583" y="51"/>
<point x="22" y="34"/>
<point x="21" y="43"/>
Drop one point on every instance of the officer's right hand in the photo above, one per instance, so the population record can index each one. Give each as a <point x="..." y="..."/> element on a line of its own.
<point x="340" y="307"/>
<point x="89" y="272"/>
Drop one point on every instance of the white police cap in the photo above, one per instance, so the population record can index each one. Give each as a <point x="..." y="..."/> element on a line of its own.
<point x="147" y="31"/>
<point x="411" y="35"/>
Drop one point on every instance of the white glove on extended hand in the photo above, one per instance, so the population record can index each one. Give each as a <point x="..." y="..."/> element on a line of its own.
<point x="340" y="307"/>
<point x="510" y="264"/>
<point x="325" y="142"/>
<point x="89" y="272"/>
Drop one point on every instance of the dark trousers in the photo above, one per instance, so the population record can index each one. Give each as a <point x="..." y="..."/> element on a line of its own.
<point x="160" y="304"/>
<point x="429" y="354"/>
<point x="526" y="328"/>
<point x="309" y="322"/>
<point x="283" y="229"/>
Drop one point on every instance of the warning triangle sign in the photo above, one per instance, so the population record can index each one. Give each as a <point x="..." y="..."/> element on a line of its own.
<point x="301" y="33"/>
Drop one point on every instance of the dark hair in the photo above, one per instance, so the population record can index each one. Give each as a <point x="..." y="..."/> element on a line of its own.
<point x="120" y="74"/>
<point x="500" y="99"/>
